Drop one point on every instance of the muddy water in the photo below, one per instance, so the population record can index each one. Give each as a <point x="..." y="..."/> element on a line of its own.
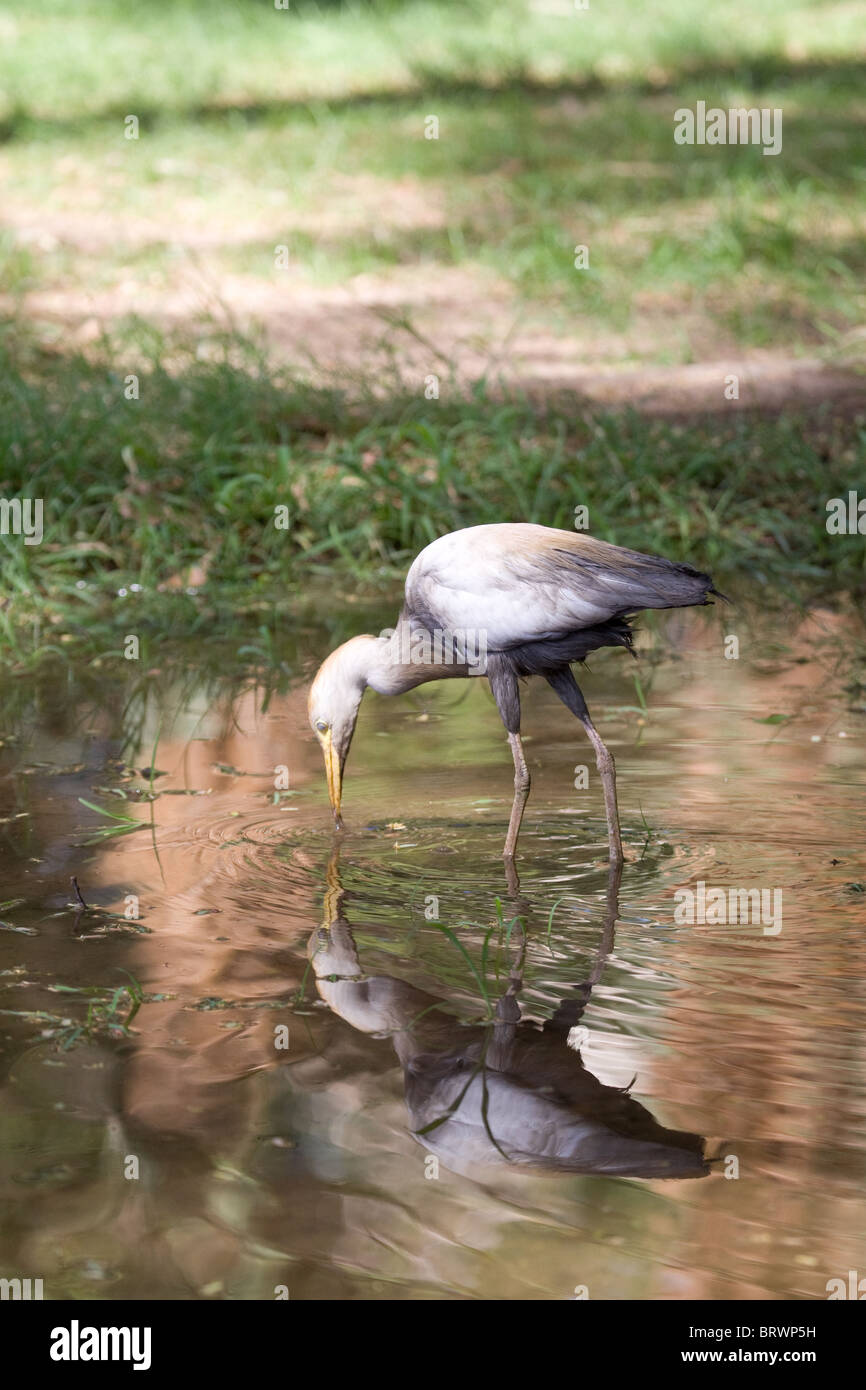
<point x="377" y="1068"/>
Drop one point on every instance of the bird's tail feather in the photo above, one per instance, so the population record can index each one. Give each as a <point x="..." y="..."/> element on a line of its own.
<point x="629" y="580"/>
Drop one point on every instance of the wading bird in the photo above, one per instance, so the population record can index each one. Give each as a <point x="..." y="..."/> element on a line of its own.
<point x="502" y="601"/>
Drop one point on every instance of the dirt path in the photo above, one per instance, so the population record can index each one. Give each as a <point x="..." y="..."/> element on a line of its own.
<point x="458" y="325"/>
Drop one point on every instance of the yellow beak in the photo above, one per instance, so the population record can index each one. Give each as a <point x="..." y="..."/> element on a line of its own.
<point x="334" y="775"/>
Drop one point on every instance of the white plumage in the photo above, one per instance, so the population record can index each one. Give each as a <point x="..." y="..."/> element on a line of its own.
<point x="538" y="599"/>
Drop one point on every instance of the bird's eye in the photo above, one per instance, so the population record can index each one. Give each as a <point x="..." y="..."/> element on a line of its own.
<point x="322" y="726"/>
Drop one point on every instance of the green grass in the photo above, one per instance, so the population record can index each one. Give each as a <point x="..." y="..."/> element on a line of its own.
<point x="178" y="491"/>
<point x="305" y="128"/>
<point x="61" y="62"/>
<point x="109" y="1013"/>
<point x="261" y="127"/>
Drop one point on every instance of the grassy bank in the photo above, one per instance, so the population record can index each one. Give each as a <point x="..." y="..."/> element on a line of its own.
<point x="305" y="129"/>
<point x="177" y="492"/>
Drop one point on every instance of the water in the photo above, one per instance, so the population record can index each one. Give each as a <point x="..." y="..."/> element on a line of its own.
<point x="650" y="1108"/>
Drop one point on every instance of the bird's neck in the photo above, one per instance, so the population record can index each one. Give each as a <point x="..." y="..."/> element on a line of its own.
<point x="409" y="655"/>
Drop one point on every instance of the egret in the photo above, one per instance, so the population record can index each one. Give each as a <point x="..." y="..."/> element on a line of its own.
<point x="505" y="601"/>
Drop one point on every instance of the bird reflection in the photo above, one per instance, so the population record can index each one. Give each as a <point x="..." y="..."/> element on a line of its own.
<point x="505" y="1091"/>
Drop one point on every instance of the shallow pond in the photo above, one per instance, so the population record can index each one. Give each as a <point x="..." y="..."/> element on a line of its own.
<point x="255" y="1056"/>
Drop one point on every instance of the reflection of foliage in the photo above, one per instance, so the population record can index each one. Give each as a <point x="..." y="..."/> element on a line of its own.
<point x="202" y="666"/>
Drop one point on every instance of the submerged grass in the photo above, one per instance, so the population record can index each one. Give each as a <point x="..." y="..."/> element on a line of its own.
<point x="229" y="492"/>
<point x="121" y="825"/>
<point x="109" y="1012"/>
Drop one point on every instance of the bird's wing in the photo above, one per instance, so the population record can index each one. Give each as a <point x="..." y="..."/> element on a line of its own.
<point x="521" y="583"/>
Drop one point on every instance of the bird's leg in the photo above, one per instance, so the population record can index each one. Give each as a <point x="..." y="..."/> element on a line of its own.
<point x="607" y="772"/>
<point x="506" y="693"/>
<point x="512" y="879"/>
<point x="569" y="692"/>
<point x="521" y="794"/>
<point x="572" y="1008"/>
<point x="518" y="906"/>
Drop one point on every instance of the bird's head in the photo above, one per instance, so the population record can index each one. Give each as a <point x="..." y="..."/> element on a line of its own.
<point x="333" y="704"/>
